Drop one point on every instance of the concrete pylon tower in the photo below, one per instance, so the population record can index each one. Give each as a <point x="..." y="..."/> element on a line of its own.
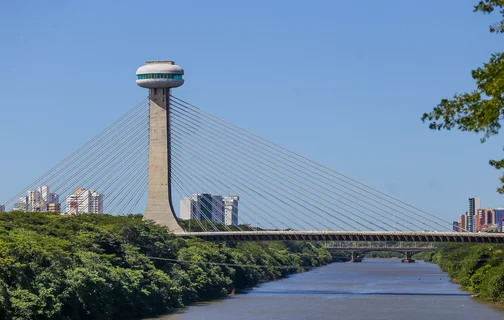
<point x="159" y="77"/>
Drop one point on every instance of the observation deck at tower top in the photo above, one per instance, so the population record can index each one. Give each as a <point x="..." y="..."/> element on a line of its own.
<point x="160" y="74"/>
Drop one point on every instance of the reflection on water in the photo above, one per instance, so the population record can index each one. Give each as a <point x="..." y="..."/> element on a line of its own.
<point x="374" y="289"/>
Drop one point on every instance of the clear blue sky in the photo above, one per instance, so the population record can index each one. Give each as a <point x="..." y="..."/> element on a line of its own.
<point x="342" y="82"/>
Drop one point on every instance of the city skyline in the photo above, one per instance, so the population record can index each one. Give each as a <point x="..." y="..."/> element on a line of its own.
<point x="478" y="219"/>
<point x="223" y="209"/>
<point x="42" y="200"/>
<point x="362" y="98"/>
<point x="38" y="200"/>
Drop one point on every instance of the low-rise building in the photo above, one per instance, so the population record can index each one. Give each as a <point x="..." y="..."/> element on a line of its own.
<point x="54" y="207"/>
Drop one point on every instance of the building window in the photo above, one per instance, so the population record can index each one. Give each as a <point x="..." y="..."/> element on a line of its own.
<point x="159" y="76"/>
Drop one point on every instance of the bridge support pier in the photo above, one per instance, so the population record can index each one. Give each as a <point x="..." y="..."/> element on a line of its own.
<point x="408" y="258"/>
<point x="355" y="258"/>
<point x="159" y="202"/>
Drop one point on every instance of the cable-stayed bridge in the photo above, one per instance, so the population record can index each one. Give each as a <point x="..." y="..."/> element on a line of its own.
<point x="234" y="184"/>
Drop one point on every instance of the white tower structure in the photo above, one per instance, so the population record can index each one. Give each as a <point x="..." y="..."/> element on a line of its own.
<point x="159" y="77"/>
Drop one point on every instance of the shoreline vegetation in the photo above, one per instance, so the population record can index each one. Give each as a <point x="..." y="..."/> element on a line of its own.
<point x="100" y="267"/>
<point x="478" y="268"/>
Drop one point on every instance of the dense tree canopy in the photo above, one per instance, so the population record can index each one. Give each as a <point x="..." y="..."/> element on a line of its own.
<point x="102" y="267"/>
<point x="481" y="110"/>
<point x="477" y="267"/>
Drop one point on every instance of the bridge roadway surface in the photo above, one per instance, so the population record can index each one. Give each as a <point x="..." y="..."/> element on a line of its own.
<point x="460" y="237"/>
<point x="388" y="249"/>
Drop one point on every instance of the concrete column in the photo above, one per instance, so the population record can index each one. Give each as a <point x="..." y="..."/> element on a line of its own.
<point x="159" y="204"/>
<point x="408" y="258"/>
<point x="355" y="257"/>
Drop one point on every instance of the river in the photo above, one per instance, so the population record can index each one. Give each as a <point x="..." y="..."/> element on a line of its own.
<point x="374" y="289"/>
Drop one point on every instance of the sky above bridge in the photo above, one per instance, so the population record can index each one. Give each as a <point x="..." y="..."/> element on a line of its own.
<point x="342" y="83"/>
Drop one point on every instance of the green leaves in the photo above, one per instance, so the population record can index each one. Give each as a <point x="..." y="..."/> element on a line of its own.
<point x="478" y="111"/>
<point x="487" y="7"/>
<point x="479" y="267"/>
<point x="97" y="267"/>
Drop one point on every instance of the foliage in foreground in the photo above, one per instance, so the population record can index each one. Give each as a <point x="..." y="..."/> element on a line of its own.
<point x="477" y="267"/>
<point x="99" y="267"/>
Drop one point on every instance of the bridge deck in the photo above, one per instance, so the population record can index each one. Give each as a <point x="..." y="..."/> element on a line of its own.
<point x="348" y="236"/>
<point x="388" y="249"/>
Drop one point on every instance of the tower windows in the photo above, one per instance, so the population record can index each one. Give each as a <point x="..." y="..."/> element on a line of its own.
<point x="159" y="76"/>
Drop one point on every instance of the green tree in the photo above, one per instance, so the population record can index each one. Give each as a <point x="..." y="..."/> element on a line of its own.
<point x="481" y="110"/>
<point x="119" y="267"/>
<point x="477" y="267"/>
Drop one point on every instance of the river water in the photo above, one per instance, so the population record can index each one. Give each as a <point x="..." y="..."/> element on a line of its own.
<point x="374" y="289"/>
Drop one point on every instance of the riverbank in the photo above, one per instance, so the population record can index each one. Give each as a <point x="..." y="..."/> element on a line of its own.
<point x="478" y="268"/>
<point x="113" y="267"/>
<point x="378" y="289"/>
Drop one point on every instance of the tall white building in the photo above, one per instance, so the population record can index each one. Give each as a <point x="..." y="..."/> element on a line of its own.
<point x="186" y="209"/>
<point x="43" y="193"/>
<point x="35" y="203"/>
<point x="96" y="202"/>
<point x="84" y="201"/>
<point x="231" y="210"/>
